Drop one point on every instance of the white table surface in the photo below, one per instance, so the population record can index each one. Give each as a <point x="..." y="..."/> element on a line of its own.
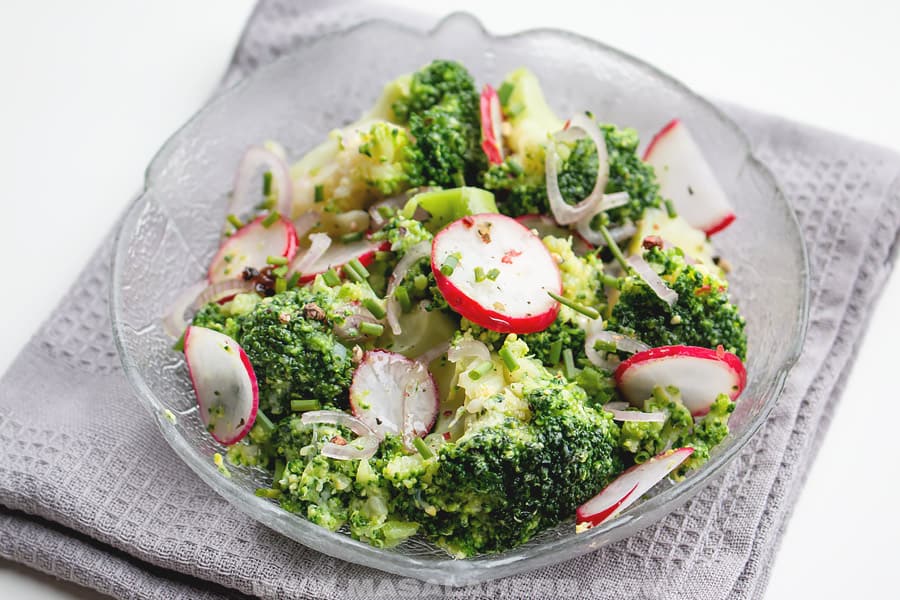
<point x="91" y="89"/>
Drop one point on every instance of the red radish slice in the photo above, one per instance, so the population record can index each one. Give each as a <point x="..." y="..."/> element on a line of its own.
<point x="251" y="245"/>
<point x="224" y="382"/>
<point x="516" y="301"/>
<point x="340" y="254"/>
<point x="545" y="226"/>
<point x="249" y="177"/>
<point x="688" y="180"/>
<point x="394" y="394"/>
<point x="491" y="120"/>
<point x="628" y="487"/>
<point x="700" y="374"/>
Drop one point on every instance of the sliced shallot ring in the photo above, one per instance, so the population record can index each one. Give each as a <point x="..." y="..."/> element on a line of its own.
<point x="429" y="355"/>
<point x="363" y="447"/>
<point x="174" y="323"/>
<point x="467" y="348"/>
<point x="654" y="281"/>
<point x="318" y="245"/>
<point x="622" y="342"/>
<point x="609" y="202"/>
<point x="593" y="330"/>
<point x="253" y="160"/>
<point x="397" y="202"/>
<point x="636" y="416"/>
<point x="222" y="290"/>
<point x="336" y="417"/>
<point x="563" y="212"/>
<point x="413" y="255"/>
<point x="305" y="222"/>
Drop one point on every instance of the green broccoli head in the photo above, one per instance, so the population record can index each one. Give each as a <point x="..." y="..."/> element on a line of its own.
<point x="388" y="168"/>
<point x="702" y="316"/>
<point x="226" y="318"/>
<point x="443" y="82"/>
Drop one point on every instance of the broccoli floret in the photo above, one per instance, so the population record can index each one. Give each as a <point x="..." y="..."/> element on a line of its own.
<point x="644" y="440"/>
<point x="226" y="318"/>
<point x="442" y="110"/>
<point x="702" y="315"/>
<point x="388" y="169"/>
<point x="402" y="233"/>
<point x="510" y="475"/>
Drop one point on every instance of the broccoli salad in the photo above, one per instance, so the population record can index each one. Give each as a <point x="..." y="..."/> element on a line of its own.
<point x="467" y="319"/>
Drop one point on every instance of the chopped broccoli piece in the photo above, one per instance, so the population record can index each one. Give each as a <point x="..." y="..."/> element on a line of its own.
<point x="225" y="318"/>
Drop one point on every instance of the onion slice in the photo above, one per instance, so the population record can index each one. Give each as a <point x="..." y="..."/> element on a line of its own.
<point x="608" y="202"/>
<point x="222" y="290"/>
<point x="174" y="322"/>
<point x="594" y="329"/>
<point x="318" y="245"/>
<point x="429" y="355"/>
<point x="563" y="212"/>
<point x="254" y="159"/>
<point x="413" y="255"/>
<point x="336" y="417"/>
<point x="365" y="446"/>
<point x="305" y="222"/>
<point x="467" y="348"/>
<point x="636" y="416"/>
<point x="659" y="287"/>
<point x="622" y="342"/>
<point x="395" y="203"/>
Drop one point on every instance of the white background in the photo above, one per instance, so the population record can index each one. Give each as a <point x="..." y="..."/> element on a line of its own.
<point x="91" y="89"/>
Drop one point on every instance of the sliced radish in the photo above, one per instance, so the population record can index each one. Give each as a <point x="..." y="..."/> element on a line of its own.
<point x="491" y="121"/>
<point x="516" y="300"/>
<point x="688" y="180"/>
<point x="224" y="382"/>
<point x="545" y="226"/>
<point x="251" y="245"/>
<point x="340" y="254"/>
<point x="628" y="487"/>
<point x="700" y="374"/>
<point x="394" y="394"/>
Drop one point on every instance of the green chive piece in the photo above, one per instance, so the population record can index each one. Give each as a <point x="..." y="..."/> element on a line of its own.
<point x="481" y="370"/>
<point x="294" y="280"/>
<point x="279" y="472"/>
<point x="449" y="265"/>
<point x="270" y="220"/>
<point x="605" y="346"/>
<point x="493" y="274"/>
<point x="280" y="285"/>
<point x="319" y="192"/>
<point x="264" y="421"/>
<point x="372" y="329"/>
<point x="386" y="212"/>
<point x="268" y="493"/>
<point x="555" y="351"/>
<point x="383" y="255"/>
<point x="267" y="204"/>
<point x="569" y="361"/>
<point x="479" y="275"/>
<point x="305" y="405"/>
<point x="670" y="209"/>
<point x="330" y="277"/>
<point x="614" y="248"/>
<point x="374" y="307"/>
<point x="587" y="311"/>
<point x="276" y="260"/>
<point x="402" y="296"/>
<point x="267" y="183"/>
<point x="424" y="451"/>
<point x="355" y="236"/>
<point x="280" y="271"/>
<point x="235" y="222"/>
<point x="353" y="274"/>
<point x="505" y="92"/>
<point x="508" y="359"/>
<point x="359" y="268"/>
<point x="420" y="282"/>
<point x="609" y="280"/>
<point x="179" y="345"/>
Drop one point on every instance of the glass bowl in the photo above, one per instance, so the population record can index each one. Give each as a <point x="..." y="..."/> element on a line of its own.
<point x="172" y="231"/>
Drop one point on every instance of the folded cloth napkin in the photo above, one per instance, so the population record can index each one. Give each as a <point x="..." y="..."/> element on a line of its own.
<point x="90" y="492"/>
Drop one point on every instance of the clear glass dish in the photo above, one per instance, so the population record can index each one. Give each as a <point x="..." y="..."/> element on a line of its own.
<point x="172" y="231"/>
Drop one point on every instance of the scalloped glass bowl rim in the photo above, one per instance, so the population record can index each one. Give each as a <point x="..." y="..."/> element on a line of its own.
<point x="642" y="515"/>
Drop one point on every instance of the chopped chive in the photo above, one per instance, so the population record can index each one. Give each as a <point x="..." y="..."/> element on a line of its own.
<point x="270" y="220"/>
<point x="319" y="192"/>
<point x="353" y="274"/>
<point x="505" y="92"/>
<point x="235" y="222"/>
<point x="569" y="361"/>
<point x="481" y="370"/>
<point x="355" y="236"/>
<point x="374" y="307"/>
<point x="605" y="346"/>
<point x="493" y="274"/>
<point x="330" y="277"/>
<point x="424" y="451"/>
<point x="383" y="255"/>
<point x="386" y="212"/>
<point x="280" y="285"/>
<point x="280" y="271"/>
<point x="613" y="282"/>
<point x="305" y="405"/>
<point x="268" y="493"/>
<point x="267" y="183"/>
<point x="359" y="268"/>
<point x="479" y="275"/>
<point x="614" y="248"/>
<point x="276" y="260"/>
<point x="670" y="209"/>
<point x="294" y="280"/>
<point x="402" y="296"/>
<point x="279" y="472"/>
<point x="373" y="329"/>
<point x="420" y="282"/>
<point x="506" y="354"/>
<point x="587" y="311"/>
<point x="264" y="421"/>
<point x="555" y="351"/>
<point x="449" y="265"/>
<point x="179" y="345"/>
<point x="267" y="204"/>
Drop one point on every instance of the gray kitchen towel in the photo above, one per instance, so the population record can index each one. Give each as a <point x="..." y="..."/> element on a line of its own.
<point x="90" y="492"/>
